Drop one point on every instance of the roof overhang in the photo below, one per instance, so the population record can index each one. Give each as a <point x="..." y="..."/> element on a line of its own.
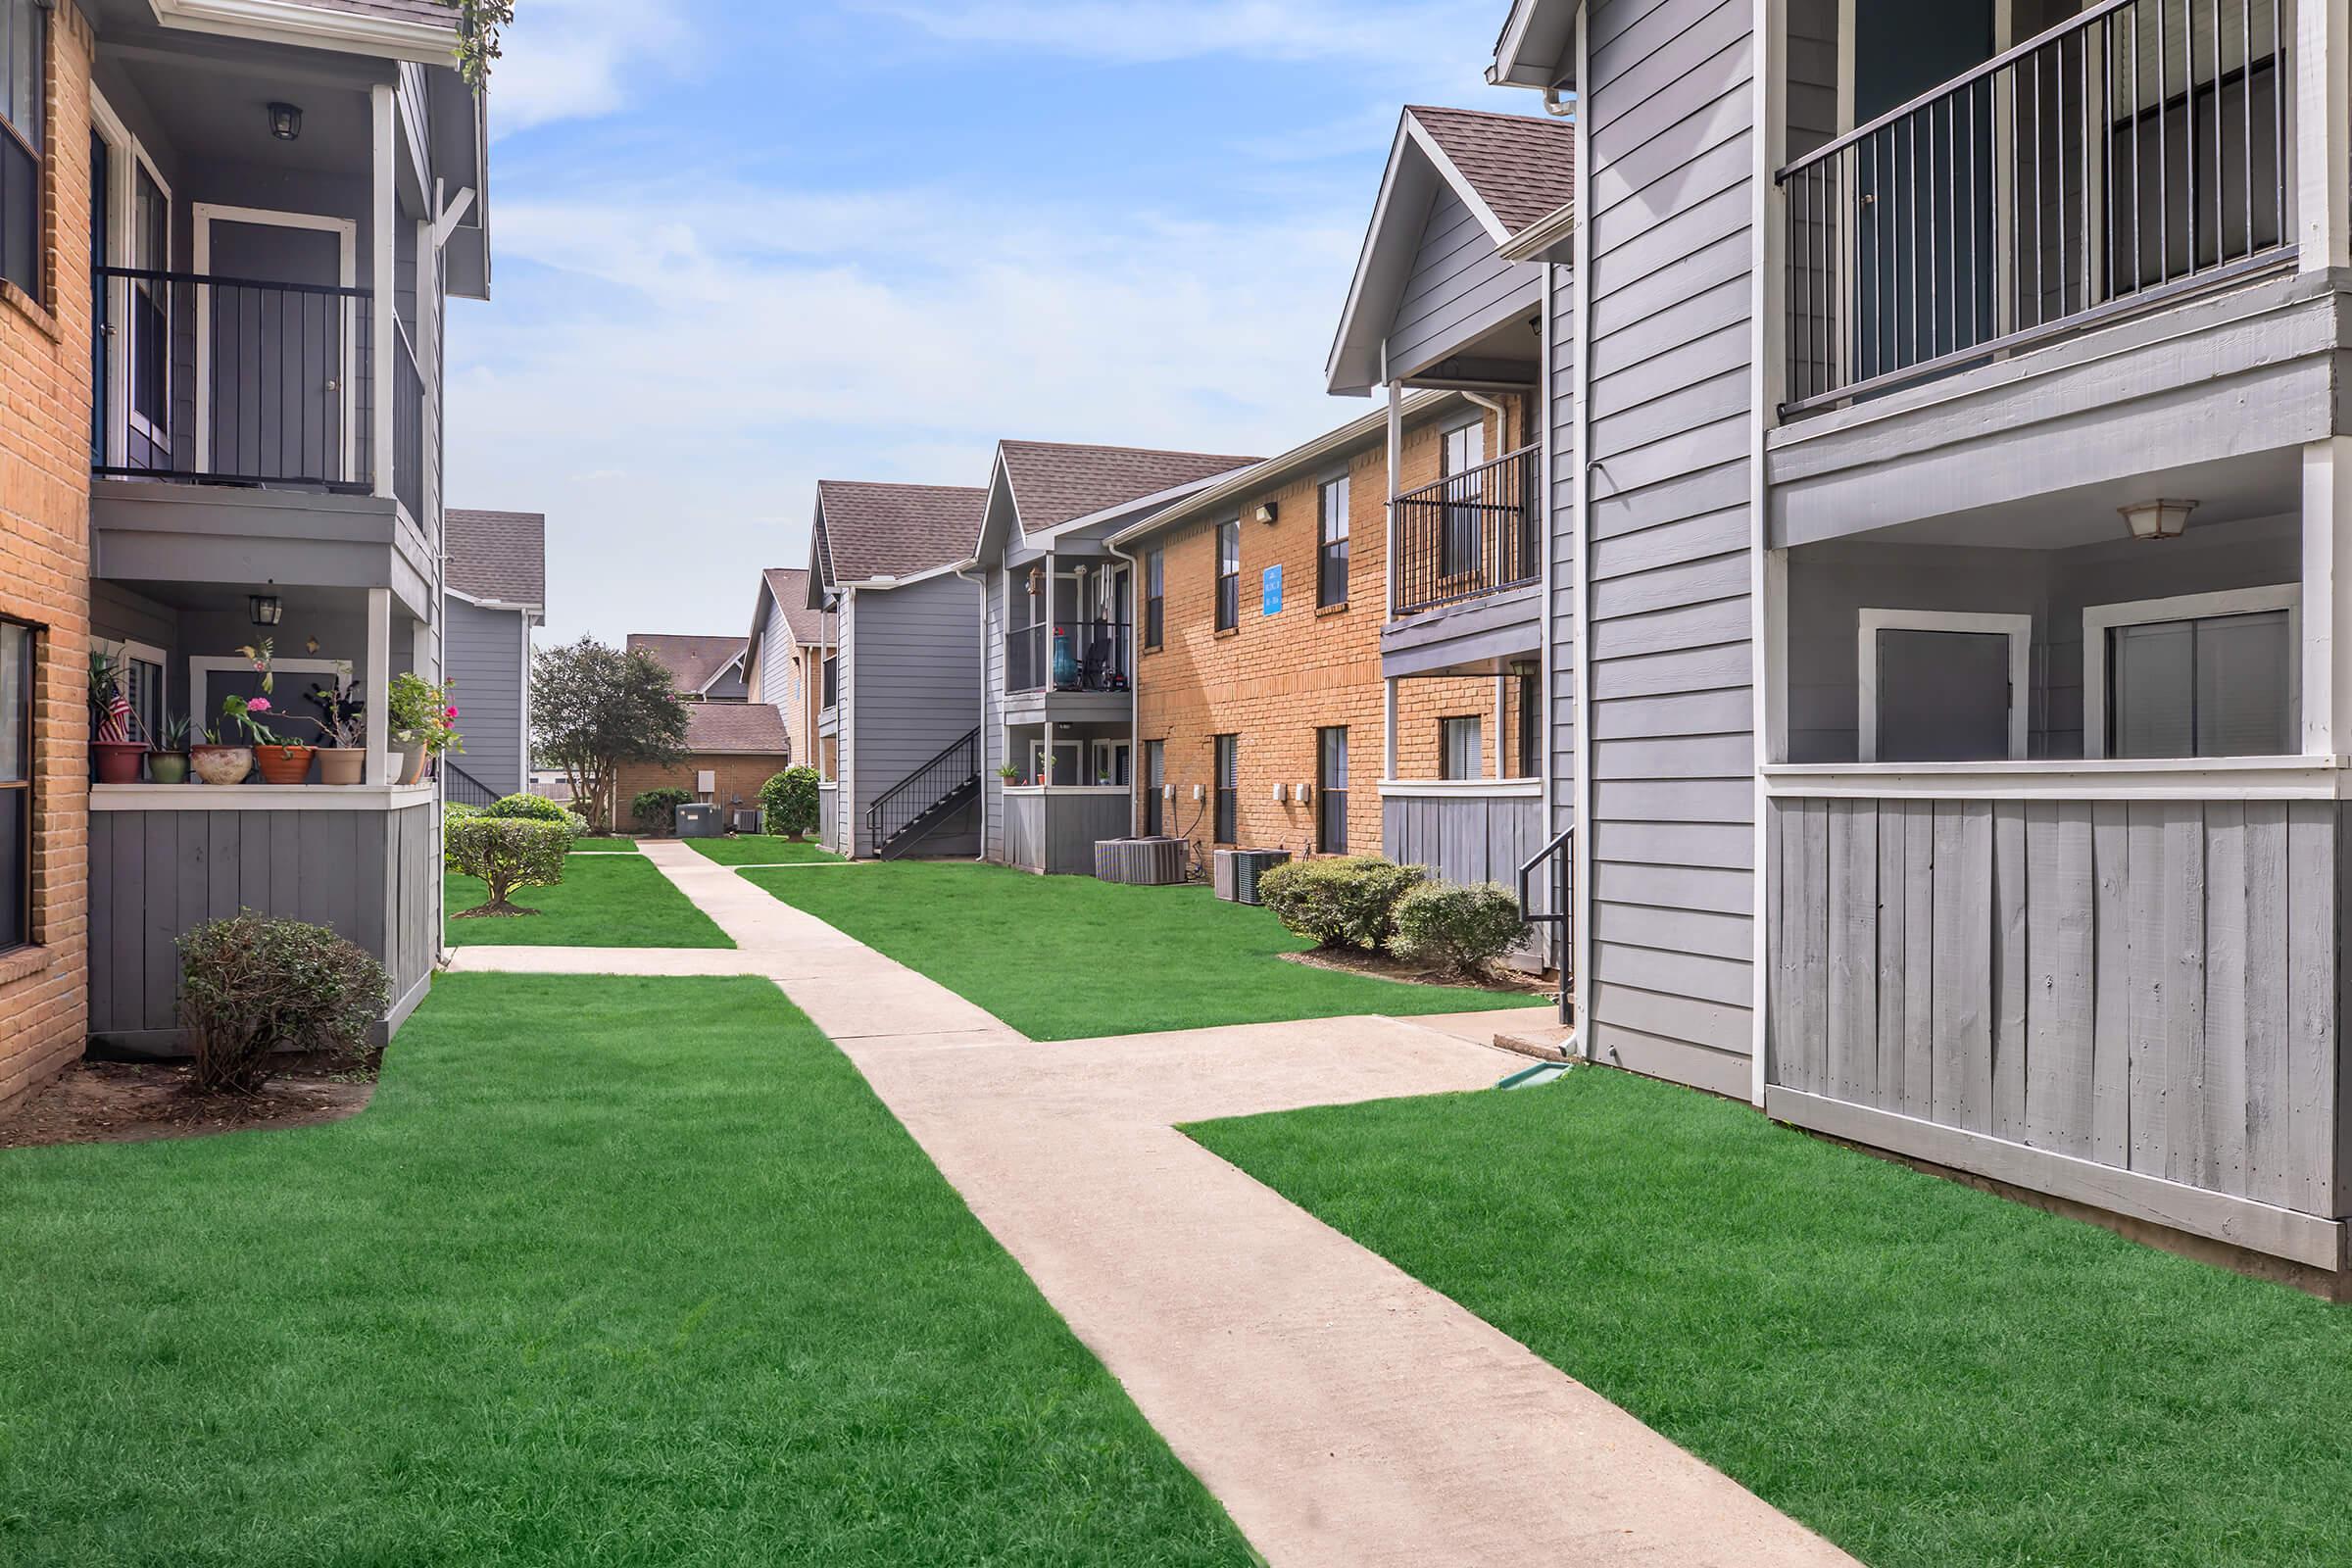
<point x="312" y="26"/>
<point x="1547" y="239"/>
<point x="738" y="663"/>
<point x="537" y="614"/>
<point x="1417" y="168"/>
<point x="1534" y="49"/>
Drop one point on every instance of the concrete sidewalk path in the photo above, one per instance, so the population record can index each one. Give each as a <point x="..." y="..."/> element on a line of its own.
<point x="1345" y="1414"/>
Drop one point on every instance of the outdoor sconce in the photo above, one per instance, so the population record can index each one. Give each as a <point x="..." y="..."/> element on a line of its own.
<point x="1267" y="511"/>
<point x="285" y="121"/>
<point x="2158" y="519"/>
<point x="267" y="609"/>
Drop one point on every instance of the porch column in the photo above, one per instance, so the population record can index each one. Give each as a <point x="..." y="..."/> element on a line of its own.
<point x="383" y="341"/>
<point x="1388" y="728"/>
<point x="1388" y="501"/>
<point x="2324" y="133"/>
<point x="378" y="675"/>
<point x="2328" y="596"/>
<point x="1501" y="713"/>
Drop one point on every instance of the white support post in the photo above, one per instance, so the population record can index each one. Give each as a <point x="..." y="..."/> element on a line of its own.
<point x="378" y="675"/>
<point x="2326" y="596"/>
<point x="2322" y="137"/>
<point x="1388" y="500"/>
<point x="1387" y="730"/>
<point x="1501" y="727"/>
<point x="384" y="212"/>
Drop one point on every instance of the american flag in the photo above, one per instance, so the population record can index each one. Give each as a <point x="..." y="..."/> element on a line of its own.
<point x="116" y="725"/>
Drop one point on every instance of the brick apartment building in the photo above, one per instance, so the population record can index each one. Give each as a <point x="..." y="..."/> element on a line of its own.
<point x="731" y="750"/>
<point x="45" y="437"/>
<point x="1285" y="688"/>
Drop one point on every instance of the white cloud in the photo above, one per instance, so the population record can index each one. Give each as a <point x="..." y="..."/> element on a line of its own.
<point x="577" y="58"/>
<point x="1399" y="31"/>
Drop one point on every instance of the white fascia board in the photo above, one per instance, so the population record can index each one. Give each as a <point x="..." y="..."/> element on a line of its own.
<point x="479" y="602"/>
<point x="1521" y="58"/>
<point x="312" y="27"/>
<point x="1497" y="230"/>
<point x="1162" y="501"/>
<point x="1353" y="310"/>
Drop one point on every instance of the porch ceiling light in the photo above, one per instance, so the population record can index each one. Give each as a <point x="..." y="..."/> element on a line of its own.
<point x="2158" y="519"/>
<point x="285" y="121"/>
<point x="267" y="609"/>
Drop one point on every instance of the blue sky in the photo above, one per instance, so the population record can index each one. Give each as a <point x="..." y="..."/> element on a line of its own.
<point x="742" y="245"/>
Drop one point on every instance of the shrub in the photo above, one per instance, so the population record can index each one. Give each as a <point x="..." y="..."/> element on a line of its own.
<point x="656" y="810"/>
<point x="250" y="985"/>
<point x="575" y="824"/>
<point x="1348" y="901"/>
<point x="525" y="808"/>
<point x="1463" y="928"/>
<point x="506" y="853"/>
<point x="459" y="811"/>
<point x="789" y="803"/>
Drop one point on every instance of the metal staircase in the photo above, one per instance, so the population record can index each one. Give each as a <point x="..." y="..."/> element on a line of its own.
<point x="461" y="787"/>
<point x="912" y="807"/>
<point x="1559" y="857"/>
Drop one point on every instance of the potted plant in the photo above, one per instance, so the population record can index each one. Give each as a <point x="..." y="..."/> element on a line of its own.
<point x="282" y="761"/>
<point x="221" y="758"/>
<point x="423" y="722"/>
<point x="167" y="764"/>
<point x="112" y="721"/>
<point x="343" y="732"/>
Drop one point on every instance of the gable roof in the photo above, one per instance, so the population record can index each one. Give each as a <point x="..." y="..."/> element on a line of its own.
<point x="1533" y="49"/>
<point x="790" y="586"/>
<point x="498" y="555"/>
<point x="1512" y="173"/>
<point x="694" y="662"/>
<point x="756" y="727"/>
<point x="1054" y="482"/>
<point x="867" y="531"/>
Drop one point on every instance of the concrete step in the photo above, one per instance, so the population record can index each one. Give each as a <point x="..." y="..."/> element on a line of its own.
<point x="1548" y="1042"/>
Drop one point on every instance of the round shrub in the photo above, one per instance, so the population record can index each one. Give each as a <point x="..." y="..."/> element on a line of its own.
<point x="1346" y="901"/>
<point x="459" y="811"/>
<point x="575" y="824"/>
<point x="656" y="810"/>
<point x="1463" y="929"/>
<point x="525" y="808"/>
<point x="248" y="985"/>
<point x="789" y="803"/>
<point x="506" y="853"/>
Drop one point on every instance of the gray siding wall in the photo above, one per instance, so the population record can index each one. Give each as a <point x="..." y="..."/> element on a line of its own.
<point x="1671" y="732"/>
<point x="992" y="728"/>
<point x="1459" y="290"/>
<point x="1560" y="427"/>
<point x="486" y="659"/>
<point x="2149" y="985"/>
<point x="916" y="673"/>
<point x="772" y="663"/>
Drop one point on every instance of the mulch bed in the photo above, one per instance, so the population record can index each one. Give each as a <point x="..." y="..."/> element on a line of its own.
<point x="1383" y="967"/>
<point x="133" y="1102"/>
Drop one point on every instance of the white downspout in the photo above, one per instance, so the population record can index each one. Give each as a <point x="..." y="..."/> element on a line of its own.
<point x="1134" y="678"/>
<point x="982" y="858"/>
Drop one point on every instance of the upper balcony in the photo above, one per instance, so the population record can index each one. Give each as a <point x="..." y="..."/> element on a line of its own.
<point x="1466" y="571"/>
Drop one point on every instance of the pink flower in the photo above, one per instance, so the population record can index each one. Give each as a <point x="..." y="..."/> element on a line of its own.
<point x="450" y="711"/>
<point x="260" y="705"/>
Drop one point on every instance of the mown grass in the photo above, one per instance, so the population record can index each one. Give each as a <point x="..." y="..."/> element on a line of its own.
<point x="612" y="1272"/>
<point x="1926" y="1374"/>
<point x="761" y="848"/>
<point x="606" y="845"/>
<point x="617" y="901"/>
<point x="1068" y="958"/>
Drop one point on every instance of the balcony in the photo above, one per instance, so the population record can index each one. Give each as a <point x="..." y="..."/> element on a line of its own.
<point x="1084" y="655"/>
<point x="1470" y="535"/>
<point x="2135" y="153"/>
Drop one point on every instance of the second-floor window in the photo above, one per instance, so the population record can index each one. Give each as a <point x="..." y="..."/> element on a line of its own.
<point x="1461" y="749"/>
<point x="1227" y="826"/>
<point x="23" y="75"/>
<point x="1465" y="450"/>
<point x="1156" y="598"/>
<point x="1331" y="550"/>
<point x="1229" y="575"/>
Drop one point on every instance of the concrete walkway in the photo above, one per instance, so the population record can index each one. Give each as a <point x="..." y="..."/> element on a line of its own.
<point x="1344" y="1413"/>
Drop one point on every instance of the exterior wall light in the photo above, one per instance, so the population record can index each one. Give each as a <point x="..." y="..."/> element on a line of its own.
<point x="267" y="609"/>
<point x="2158" y="519"/>
<point x="285" y="121"/>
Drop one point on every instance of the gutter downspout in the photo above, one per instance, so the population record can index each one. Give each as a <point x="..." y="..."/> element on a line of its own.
<point x="1135" y="677"/>
<point x="982" y="858"/>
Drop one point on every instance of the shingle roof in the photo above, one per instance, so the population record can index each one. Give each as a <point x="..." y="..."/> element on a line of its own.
<point x="736" y="727"/>
<point x="498" y="555"/>
<point x="897" y="530"/>
<point x="1523" y="166"/>
<point x="691" y="660"/>
<point x="789" y="585"/>
<point x="1054" y="483"/>
<point x="430" y="13"/>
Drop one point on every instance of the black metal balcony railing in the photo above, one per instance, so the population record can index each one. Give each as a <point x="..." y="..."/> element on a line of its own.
<point x="1076" y="655"/>
<point x="1471" y="533"/>
<point x="2129" y="151"/>
<point x="242" y="381"/>
<point x="408" y="426"/>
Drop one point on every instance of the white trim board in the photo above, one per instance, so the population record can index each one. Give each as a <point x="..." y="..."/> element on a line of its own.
<point x="260" y="797"/>
<point x="2019" y="629"/>
<point x="2100" y="620"/>
<point x="2218" y="778"/>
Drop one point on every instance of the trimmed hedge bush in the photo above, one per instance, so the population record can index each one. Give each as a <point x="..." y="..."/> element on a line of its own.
<point x="1463" y="928"/>
<point x="789" y="803"/>
<point x="459" y="811"/>
<point x="656" y="810"/>
<point x="525" y="808"/>
<point x="506" y="853"/>
<point x="1346" y="901"/>
<point x="248" y="985"/>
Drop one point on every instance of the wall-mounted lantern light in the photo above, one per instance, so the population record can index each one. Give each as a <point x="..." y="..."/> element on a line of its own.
<point x="285" y="121"/>
<point x="1268" y="511"/>
<point x="267" y="609"/>
<point x="2158" y="519"/>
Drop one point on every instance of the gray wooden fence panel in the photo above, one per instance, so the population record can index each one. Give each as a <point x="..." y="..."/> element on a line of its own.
<point x="1025" y="831"/>
<point x="2007" y="1105"/>
<point x="2267" y="1171"/>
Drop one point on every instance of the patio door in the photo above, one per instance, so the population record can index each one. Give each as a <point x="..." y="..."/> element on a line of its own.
<point x="275" y="348"/>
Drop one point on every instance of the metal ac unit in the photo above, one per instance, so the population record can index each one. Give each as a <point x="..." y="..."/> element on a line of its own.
<point x="1235" y="872"/>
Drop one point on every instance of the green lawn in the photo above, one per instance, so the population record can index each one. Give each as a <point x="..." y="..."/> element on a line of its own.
<point x="1068" y="958"/>
<point x="609" y="845"/>
<point x="608" y="901"/>
<point x="612" y="1272"/>
<point x="1926" y="1374"/>
<point x="762" y="848"/>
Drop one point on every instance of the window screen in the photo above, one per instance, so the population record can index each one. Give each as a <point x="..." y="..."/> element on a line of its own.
<point x="1943" y="696"/>
<point x="23" y="40"/>
<point x="1331" y="791"/>
<point x="15" y="785"/>
<point x="2222" y="686"/>
<point x="1462" y="747"/>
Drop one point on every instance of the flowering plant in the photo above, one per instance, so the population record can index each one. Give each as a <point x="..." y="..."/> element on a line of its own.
<point x="245" y="714"/>
<point x="346" y="710"/>
<point x="422" y="710"/>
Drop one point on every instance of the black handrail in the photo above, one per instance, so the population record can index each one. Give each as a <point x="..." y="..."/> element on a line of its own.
<point x="920" y="792"/>
<point x="463" y="788"/>
<point x="1557" y="852"/>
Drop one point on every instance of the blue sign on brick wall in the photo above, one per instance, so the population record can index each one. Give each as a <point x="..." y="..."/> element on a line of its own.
<point x="1270" y="586"/>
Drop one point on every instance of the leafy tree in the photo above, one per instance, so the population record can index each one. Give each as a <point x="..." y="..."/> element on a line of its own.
<point x="788" y="802"/>
<point x="478" y="24"/>
<point x="506" y="853"/>
<point x="594" y="709"/>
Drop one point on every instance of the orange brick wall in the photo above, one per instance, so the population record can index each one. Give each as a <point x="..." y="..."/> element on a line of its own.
<point x="739" y="773"/>
<point x="1275" y="681"/>
<point x="44" y="576"/>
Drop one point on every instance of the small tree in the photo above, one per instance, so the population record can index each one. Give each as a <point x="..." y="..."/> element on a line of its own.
<point x="594" y="709"/>
<point x="506" y="853"/>
<point x="789" y="803"/>
<point x="250" y="985"/>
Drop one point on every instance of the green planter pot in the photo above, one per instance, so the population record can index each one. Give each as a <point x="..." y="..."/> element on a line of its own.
<point x="168" y="768"/>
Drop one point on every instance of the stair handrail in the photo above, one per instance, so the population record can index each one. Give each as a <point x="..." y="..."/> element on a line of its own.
<point x="1555" y="852"/>
<point x="452" y="772"/>
<point x="966" y="746"/>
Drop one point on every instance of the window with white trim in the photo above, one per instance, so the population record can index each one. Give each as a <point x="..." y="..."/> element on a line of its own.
<point x="2216" y="674"/>
<point x="1940" y="686"/>
<point x="23" y="87"/>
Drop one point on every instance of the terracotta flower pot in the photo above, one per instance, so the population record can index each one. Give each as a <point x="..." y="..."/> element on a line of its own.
<point x="283" y="764"/>
<point x="168" y="768"/>
<point x="222" y="764"/>
<point x="342" y="765"/>
<point x="119" y="761"/>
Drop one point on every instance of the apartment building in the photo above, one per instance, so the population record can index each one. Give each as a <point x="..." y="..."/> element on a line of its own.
<point x="790" y="661"/>
<point x="494" y="596"/>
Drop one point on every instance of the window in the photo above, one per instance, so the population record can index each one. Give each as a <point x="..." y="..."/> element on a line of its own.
<point x="1461" y="747"/>
<point x="1940" y="687"/>
<point x="2201" y="675"/>
<point x="150" y="320"/>
<point x="1531" y="729"/>
<point x="1465" y="450"/>
<point x="1331" y="554"/>
<point x="1111" y="762"/>
<point x="1228" y="575"/>
<point x="142" y="672"/>
<point x="1156" y="598"/>
<point x="1229" y="788"/>
<point x="1331" y="791"/>
<point x="1156" y="778"/>
<point x="1069" y="759"/>
<point x="24" y="76"/>
<point x="17" y="646"/>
